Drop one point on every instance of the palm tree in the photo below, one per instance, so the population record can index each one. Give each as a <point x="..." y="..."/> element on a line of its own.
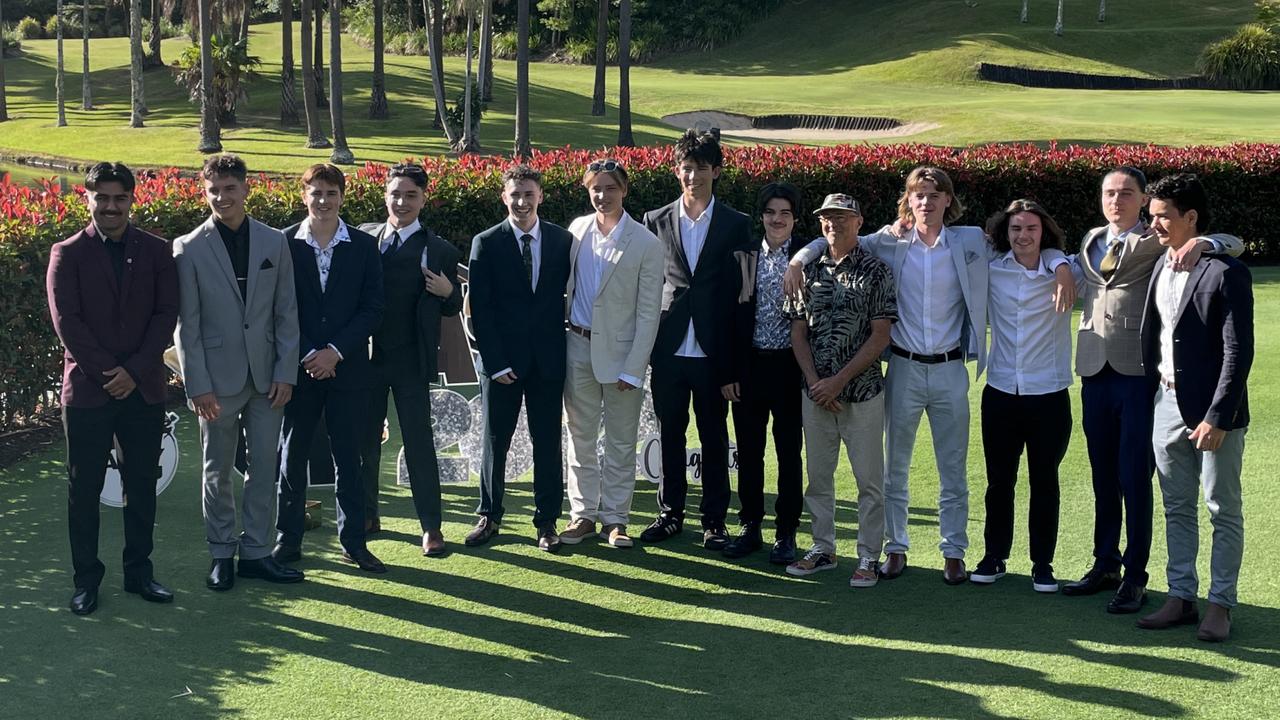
<point x="59" y="79"/>
<point x="288" y="93"/>
<point x="378" y="99"/>
<point x="625" y="138"/>
<point x="210" y="141"/>
<point x="315" y="134"/>
<point x="341" y="153"/>
<point x="486" y="52"/>
<point x="86" y="93"/>
<point x="435" y="40"/>
<point x="4" y="103"/>
<point x="469" y="143"/>
<point x="1057" y="28"/>
<point x="1102" y="10"/>
<point x="317" y="67"/>
<point x="137" y="108"/>
<point x="602" y="41"/>
<point x="522" y="148"/>
<point x="157" y="16"/>
<point x="1023" y="18"/>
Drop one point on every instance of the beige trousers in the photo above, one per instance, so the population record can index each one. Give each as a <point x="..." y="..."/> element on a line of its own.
<point x="860" y="427"/>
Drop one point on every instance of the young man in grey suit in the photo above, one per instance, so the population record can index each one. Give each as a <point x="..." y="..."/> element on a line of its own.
<point x="237" y="341"/>
<point x="614" y="299"/>
<point x="1197" y="340"/>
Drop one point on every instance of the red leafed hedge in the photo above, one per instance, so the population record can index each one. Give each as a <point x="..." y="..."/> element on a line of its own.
<point x="1243" y="180"/>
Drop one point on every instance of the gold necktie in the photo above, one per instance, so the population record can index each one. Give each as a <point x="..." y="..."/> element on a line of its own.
<point x="1109" y="261"/>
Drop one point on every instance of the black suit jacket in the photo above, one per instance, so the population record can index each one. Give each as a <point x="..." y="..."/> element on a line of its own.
<point x="516" y="327"/>
<point x="1212" y="341"/>
<point x="714" y="293"/>
<point x="349" y="308"/>
<point x="427" y="309"/>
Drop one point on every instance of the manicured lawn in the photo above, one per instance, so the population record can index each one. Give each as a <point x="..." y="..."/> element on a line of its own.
<point x="913" y="61"/>
<point x="665" y="630"/>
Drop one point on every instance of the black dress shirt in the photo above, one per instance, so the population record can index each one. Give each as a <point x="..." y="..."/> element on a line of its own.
<point x="237" y="242"/>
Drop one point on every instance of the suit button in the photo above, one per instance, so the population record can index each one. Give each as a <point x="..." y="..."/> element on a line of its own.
<point x="1108" y="316"/>
<point x="246" y="327"/>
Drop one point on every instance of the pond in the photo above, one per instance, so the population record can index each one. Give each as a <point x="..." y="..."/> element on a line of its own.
<point x="28" y="175"/>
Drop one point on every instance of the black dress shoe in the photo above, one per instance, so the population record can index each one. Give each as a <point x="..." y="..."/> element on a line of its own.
<point x="286" y="553"/>
<point x="663" y="527"/>
<point x="1129" y="599"/>
<point x="747" y="542"/>
<point x="784" y="549"/>
<point x="266" y="568"/>
<point x="548" y="539"/>
<point x="364" y="560"/>
<point x="151" y="591"/>
<point x="84" y="601"/>
<point x="482" y="533"/>
<point x="1093" y="582"/>
<point x="715" y="538"/>
<point x="222" y="574"/>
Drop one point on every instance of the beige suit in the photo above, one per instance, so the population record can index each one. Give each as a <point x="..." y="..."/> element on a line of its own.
<point x="624" y="324"/>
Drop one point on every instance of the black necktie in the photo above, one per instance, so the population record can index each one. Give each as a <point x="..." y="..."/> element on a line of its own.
<point x="395" y="242"/>
<point x="526" y="253"/>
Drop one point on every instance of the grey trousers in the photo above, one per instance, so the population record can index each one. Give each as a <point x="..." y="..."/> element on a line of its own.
<point x="218" y="440"/>
<point x="942" y="390"/>
<point x="1185" y="474"/>
<point x="860" y="427"/>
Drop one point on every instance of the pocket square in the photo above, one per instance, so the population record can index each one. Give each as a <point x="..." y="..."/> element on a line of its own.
<point x="266" y="264"/>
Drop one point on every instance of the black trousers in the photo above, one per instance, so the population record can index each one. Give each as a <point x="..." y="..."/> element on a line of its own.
<point x="677" y="380"/>
<point x="138" y="427"/>
<point x="1040" y="424"/>
<point x="343" y="411"/>
<point x="542" y="395"/>
<point x="398" y="376"/>
<point x="772" y="387"/>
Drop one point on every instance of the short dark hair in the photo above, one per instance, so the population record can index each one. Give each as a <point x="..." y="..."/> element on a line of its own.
<point x="784" y="190"/>
<point x="410" y="171"/>
<point x="521" y="172"/>
<point x="700" y="147"/>
<point x="325" y="172"/>
<point x="225" y="164"/>
<point x="1185" y="192"/>
<point x="1051" y="235"/>
<point x="105" y="172"/>
<point x="1129" y="171"/>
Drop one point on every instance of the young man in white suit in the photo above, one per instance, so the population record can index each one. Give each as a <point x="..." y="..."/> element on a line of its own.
<point x="614" y="300"/>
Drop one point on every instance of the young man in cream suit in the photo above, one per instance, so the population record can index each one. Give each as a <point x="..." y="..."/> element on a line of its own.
<point x="614" y="300"/>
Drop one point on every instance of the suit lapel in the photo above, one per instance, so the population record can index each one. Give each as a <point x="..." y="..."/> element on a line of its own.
<point x="257" y="255"/>
<point x="714" y="226"/>
<point x="900" y="249"/>
<point x="615" y="255"/>
<point x="543" y="250"/>
<point x="338" y="262"/>
<point x="1086" y="255"/>
<point x="669" y="222"/>
<point x="213" y="239"/>
<point x="1188" y="290"/>
<point x="957" y="251"/>
<point x="98" y="249"/>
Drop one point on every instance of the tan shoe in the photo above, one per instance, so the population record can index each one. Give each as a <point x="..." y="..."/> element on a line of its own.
<point x="1216" y="625"/>
<point x="1174" y="612"/>
<point x="578" y="530"/>
<point x="616" y="536"/>
<point x="893" y="565"/>
<point x="433" y="544"/>
<point x="953" y="572"/>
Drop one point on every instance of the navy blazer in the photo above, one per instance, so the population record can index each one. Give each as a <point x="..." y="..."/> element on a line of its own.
<point x="349" y="308"/>
<point x="515" y="326"/>
<point x="1212" y="341"/>
<point x="103" y="324"/>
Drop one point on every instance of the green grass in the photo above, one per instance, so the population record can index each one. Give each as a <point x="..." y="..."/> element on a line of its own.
<point x="594" y="632"/>
<point x="913" y="61"/>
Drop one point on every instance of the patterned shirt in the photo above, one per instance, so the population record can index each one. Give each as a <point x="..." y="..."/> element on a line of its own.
<point x="839" y="301"/>
<point x="324" y="255"/>
<point x="772" y="328"/>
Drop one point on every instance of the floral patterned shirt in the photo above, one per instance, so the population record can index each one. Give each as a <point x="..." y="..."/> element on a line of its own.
<point x="772" y="328"/>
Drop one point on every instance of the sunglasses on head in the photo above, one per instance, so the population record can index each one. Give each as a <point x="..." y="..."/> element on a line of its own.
<point x="604" y="166"/>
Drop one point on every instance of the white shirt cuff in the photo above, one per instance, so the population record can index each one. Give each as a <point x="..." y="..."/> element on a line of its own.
<point x="631" y="379"/>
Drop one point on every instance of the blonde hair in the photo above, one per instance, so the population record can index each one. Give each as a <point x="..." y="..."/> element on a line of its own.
<point x="941" y="181"/>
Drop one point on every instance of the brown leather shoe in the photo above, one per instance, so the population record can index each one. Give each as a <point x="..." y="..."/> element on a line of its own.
<point x="1174" y="612"/>
<point x="893" y="565"/>
<point x="433" y="544"/>
<point x="1216" y="625"/>
<point x="548" y="540"/>
<point x="953" y="572"/>
<point x="482" y="533"/>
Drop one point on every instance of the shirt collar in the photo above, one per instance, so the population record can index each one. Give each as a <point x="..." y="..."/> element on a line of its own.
<point x="942" y="238"/>
<point x="536" y="232"/>
<point x="853" y="255"/>
<point x="1111" y="237"/>
<point x="405" y="233"/>
<point x="706" y="214"/>
<point x="1009" y="260"/>
<point x="107" y="238"/>
<point x="768" y="251"/>
<point x="339" y="236"/>
<point x="612" y="234"/>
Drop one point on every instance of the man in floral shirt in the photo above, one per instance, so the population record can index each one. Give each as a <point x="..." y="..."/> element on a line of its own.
<point x="839" y="329"/>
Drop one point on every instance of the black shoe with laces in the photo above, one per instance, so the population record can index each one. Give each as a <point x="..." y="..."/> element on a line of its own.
<point x="988" y="571"/>
<point x="784" y="549"/>
<point x="1094" y="581"/>
<point x="715" y="538"/>
<point x="747" y="542"/>
<point x="663" y="527"/>
<point x="1042" y="579"/>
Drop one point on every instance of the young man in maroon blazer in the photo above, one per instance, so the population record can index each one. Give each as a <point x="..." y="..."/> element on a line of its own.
<point x="113" y="295"/>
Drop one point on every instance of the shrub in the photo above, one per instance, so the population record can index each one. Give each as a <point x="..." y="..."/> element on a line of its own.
<point x="12" y="43"/>
<point x="1248" y="60"/>
<point x="29" y="29"/>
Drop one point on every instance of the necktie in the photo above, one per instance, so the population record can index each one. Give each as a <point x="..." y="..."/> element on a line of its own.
<point x="393" y="243"/>
<point x="526" y="253"/>
<point x="1112" y="259"/>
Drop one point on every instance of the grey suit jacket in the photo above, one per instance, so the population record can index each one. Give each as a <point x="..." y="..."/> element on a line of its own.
<point x="1111" y="316"/>
<point x="225" y="341"/>
<point x="628" y="303"/>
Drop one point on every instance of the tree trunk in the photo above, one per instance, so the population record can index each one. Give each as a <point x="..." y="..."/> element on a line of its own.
<point x="486" y="52"/>
<point x="210" y="140"/>
<point x="315" y="133"/>
<point x="1057" y="28"/>
<point x="4" y="90"/>
<point x="60" y="77"/>
<point x="435" y="39"/>
<point x="469" y="142"/>
<point x="244" y="22"/>
<point x="341" y="153"/>
<point x="288" y="91"/>
<point x="137" y="109"/>
<point x="153" y="59"/>
<point x="602" y="44"/>
<point x="1025" y="11"/>
<point x="411" y="14"/>
<point x="318" y="66"/>
<point x="625" y="138"/>
<point x="378" y="99"/>
<point x="1102" y="10"/>
<point x="522" y="148"/>
<point x="86" y="91"/>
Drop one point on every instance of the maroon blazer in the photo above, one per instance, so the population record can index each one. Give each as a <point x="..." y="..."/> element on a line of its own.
<point x="103" y="323"/>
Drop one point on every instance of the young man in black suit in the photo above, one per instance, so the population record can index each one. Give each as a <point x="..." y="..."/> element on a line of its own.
<point x="705" y="323"/>
<point x="338" y="279"/>
<point x="420" y="283"/>
<point x="517" y="276"/>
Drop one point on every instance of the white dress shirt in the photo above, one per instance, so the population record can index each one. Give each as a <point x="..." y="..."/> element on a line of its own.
<point x="693" y="236"/>
<point x="1030" y="339"/>
<point x="930" y="301"/>
<point x="1169" y="289"/>
<point x="535" y="247"/>
<point x="389" y="231"/>
<point x="324" y="260"/>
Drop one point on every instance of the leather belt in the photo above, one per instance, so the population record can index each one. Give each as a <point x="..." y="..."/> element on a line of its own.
<point x="584" y="332"/>
<point x="948" y="356"/>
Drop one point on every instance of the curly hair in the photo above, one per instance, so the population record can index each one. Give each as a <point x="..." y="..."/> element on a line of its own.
<point x="225" y="164"/>
<point x="1185" y="192"/>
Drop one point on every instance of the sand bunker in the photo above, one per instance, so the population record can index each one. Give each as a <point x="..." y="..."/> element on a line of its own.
<point x="743" y="126"/>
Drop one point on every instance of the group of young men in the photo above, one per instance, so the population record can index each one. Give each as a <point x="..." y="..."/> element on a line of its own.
<point x="278" y="330"/>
